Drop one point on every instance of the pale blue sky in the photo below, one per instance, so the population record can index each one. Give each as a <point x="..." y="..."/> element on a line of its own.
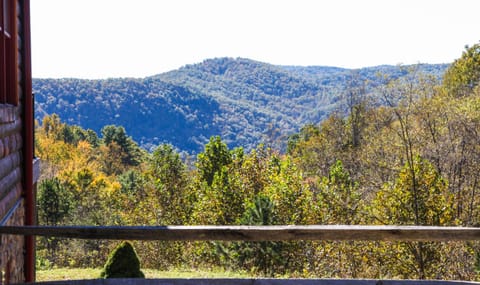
<point x="137" y="38"/>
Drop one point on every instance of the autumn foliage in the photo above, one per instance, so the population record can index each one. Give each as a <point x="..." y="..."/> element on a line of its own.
<point x="406" y="155"/>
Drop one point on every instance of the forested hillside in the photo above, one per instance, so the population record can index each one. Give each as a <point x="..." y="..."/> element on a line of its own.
<point x="244" y="101"/>
<point x="410" y="157"/>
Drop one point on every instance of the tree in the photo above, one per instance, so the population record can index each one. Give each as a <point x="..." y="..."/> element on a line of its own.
<point x="340" y="202"/>
<point x="396" y="203"/>
<point x="131" y="182"/>
<point x="53" y="127"/>
<point x="355" y="97"/>
<point x="92" y="137"/>
<point x="402" y="97"/>
<point x="167" y="167"/>
<point x="461" y="156"/>
<point x="423" y="201"/>
<point x="319" y="147"/>
<point x="169" y="177"/>
<point x="111" y="159"/>
<point x="306" y="132"/>
<point x="264" y="257"/>
<point x="464" y="74"/>
<point x="339" y="199"/>
<point x="130" y="152"/>
<point x="292" y="198"/>
<point x="227" y="191"/>
<point x="54" y="202"/>
<point x="212" y="159"/>
<point x="54" y="205"/>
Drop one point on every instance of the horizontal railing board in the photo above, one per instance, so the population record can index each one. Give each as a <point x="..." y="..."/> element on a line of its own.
<point x="259" y="281"/>
<point x="252" y="233"/>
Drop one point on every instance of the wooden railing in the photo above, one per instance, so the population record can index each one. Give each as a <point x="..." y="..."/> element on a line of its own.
<point x="252" y="233"/>
<point x="251" y="281"/>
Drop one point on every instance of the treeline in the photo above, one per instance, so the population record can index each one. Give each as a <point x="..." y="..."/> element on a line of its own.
<point x="244" y="101"/>
<point x="411" y="160"/>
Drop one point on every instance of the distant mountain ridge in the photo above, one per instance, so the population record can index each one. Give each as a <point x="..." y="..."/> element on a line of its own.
<point x="244" y="101"/>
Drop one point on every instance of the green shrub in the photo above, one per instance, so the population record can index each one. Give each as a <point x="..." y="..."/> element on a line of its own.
<point x="122" y="262"/>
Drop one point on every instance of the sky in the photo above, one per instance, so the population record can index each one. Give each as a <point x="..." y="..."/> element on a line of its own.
<point x="124" y="38"/>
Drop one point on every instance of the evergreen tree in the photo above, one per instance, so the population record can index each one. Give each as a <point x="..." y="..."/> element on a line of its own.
<point x="54" y="202"/>
<point x="131" y="154"/>
<point x="123" y="262"/>
<point x="264" y="257"/>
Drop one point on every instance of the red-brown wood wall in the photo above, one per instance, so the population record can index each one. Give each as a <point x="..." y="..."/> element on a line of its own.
<point x="17" y="183"/>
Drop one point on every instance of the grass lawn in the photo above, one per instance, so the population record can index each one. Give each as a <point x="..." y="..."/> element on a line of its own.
<point x="94" y="273"/>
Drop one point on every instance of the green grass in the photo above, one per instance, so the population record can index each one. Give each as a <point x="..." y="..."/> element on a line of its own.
<point x="94" y="273"/>
<point x="67" y="274"/>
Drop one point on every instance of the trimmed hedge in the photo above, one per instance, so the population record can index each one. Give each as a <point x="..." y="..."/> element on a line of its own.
<point x="122" y="262"/>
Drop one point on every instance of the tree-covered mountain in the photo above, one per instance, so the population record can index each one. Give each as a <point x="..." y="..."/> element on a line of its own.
<point x="411" y="161"/>
<point x="152" y="111"/>
<point x="244" y="101"/>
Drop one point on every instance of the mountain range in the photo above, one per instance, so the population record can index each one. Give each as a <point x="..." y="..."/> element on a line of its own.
<point x="246" y="102"/>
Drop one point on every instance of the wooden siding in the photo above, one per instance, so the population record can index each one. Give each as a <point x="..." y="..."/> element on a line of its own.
<point x="12" y="210"/>
<point x="10" y="158"/>
<point x="12" y="247"/>
<point x="12" y="191"/>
